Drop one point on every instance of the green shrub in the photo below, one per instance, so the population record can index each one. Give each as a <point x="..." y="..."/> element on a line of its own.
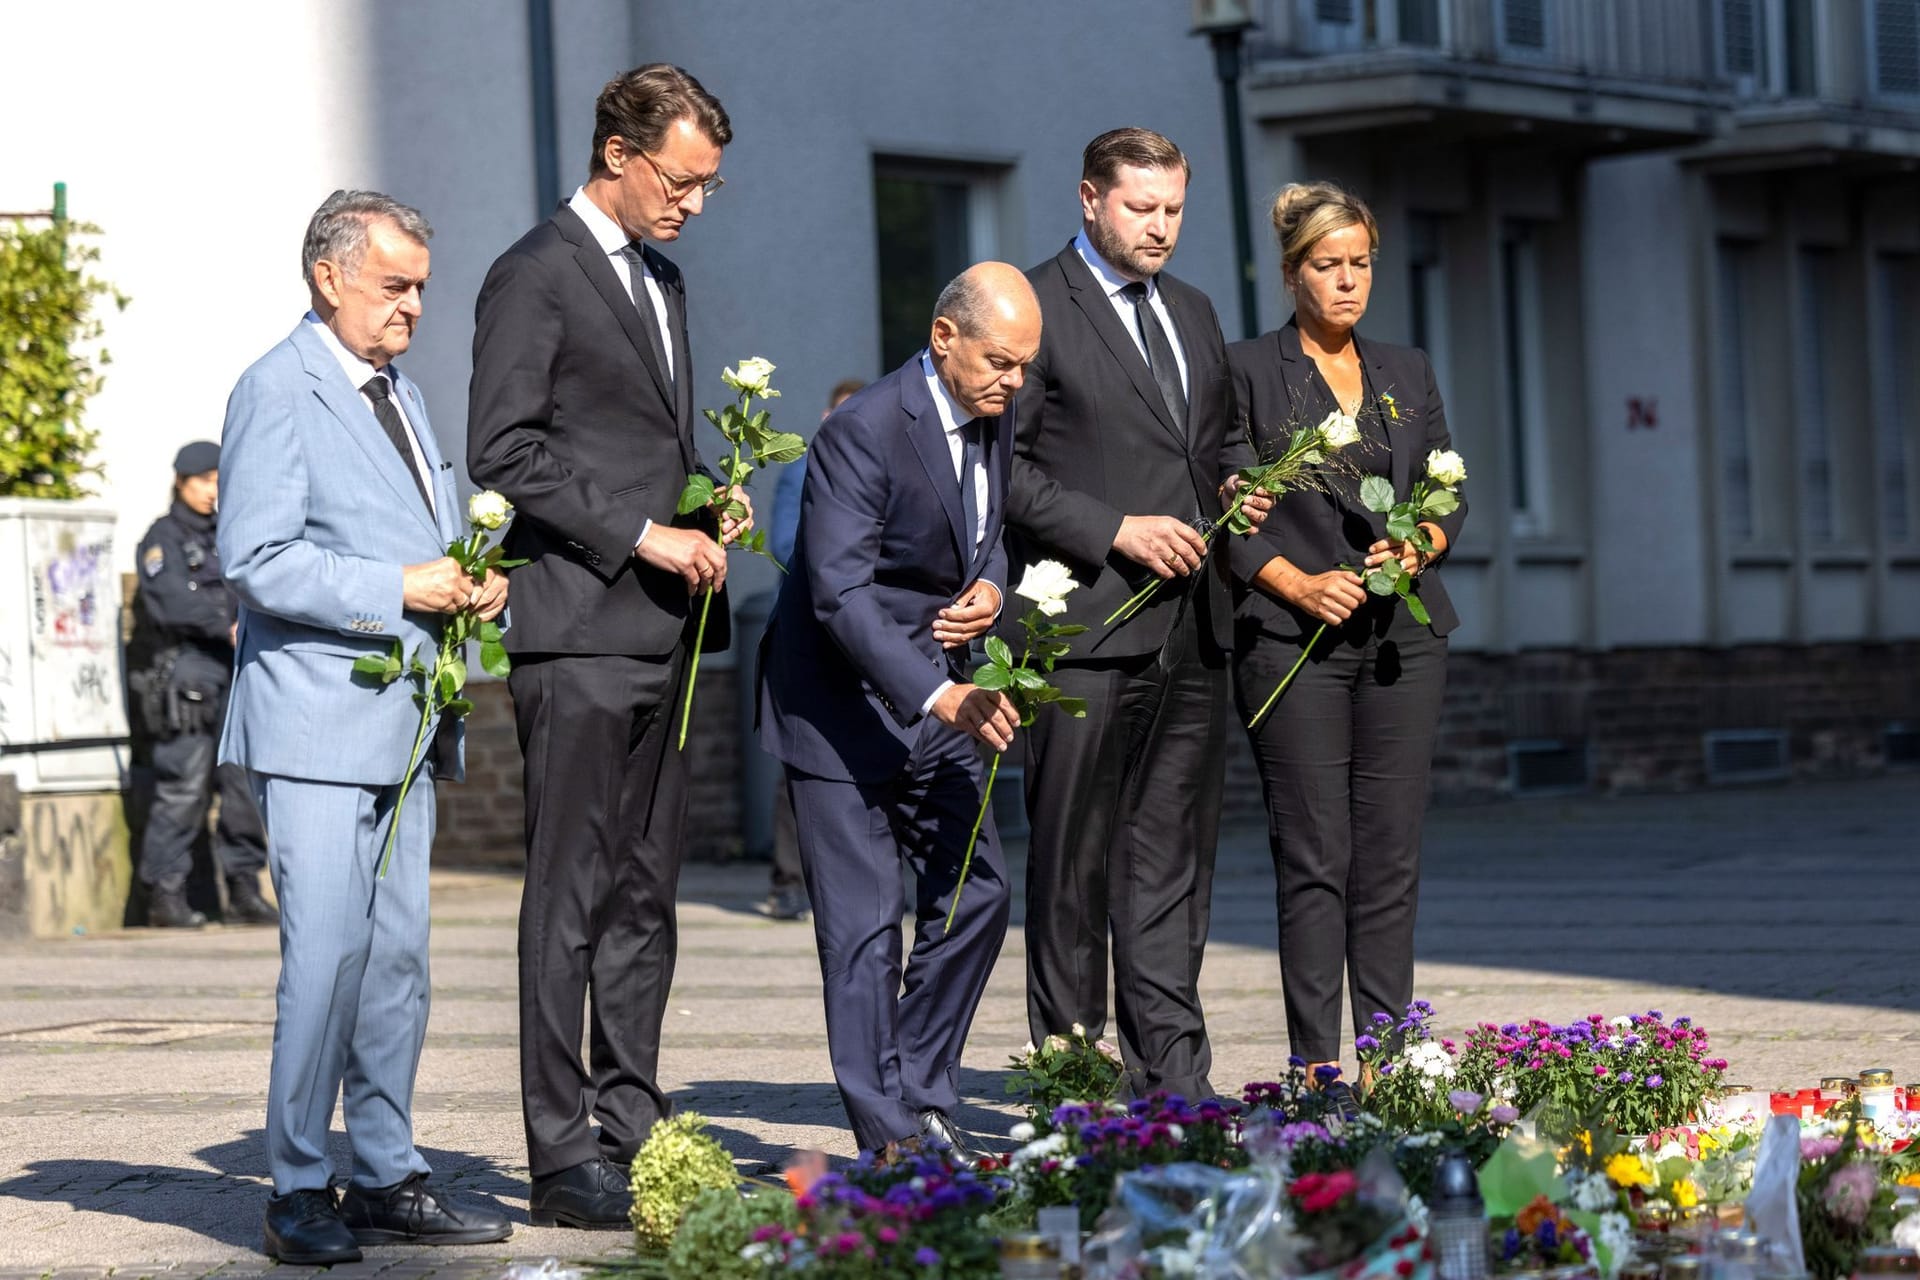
<point x="678" y="1162"/>
<point x="718" y="1225"/>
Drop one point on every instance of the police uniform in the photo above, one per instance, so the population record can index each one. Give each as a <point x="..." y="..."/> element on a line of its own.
<point x="184" y="616"/>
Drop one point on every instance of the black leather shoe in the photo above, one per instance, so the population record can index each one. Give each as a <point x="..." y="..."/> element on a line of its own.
<point x="593" y="1196"/>
<point x="1345" y="1103"/>
<point x="168" y="909"/>
<point x="245" y="905"/>
<point x="304" y="1230"/>
<point x="412" y="1212"/>
<point x="942" y="1133"/>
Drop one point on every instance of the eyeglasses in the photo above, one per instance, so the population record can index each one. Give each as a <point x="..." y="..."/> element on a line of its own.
<point x="679" y="189"/>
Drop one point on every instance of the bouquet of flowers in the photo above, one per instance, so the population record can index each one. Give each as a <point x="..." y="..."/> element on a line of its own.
<point x="1638" y="1073"/>
<point x="1074" y="1157"/>
<point x="1538" y="1237"/>
<point x="1842" y="1204"/>
<point x="918" y="1217"/>
<point x="439" y="686"/>
<point x="1063" y="1069"/>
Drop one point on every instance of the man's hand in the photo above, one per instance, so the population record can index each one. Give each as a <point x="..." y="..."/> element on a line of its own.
<point x="969" y="617"/>
<point x="1407" y="553"/>
<point x="1259" y="503"/>
<point x="730" y="527"/>
<point x="489" y="597"/>
<point x="974" y="711"/>
<point x="690" y="553"/>
<point x="1163" y="544"/>
<point x="438" y="586"/>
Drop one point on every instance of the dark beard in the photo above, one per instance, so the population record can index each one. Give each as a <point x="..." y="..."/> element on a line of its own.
<point x="1108" y="246"/>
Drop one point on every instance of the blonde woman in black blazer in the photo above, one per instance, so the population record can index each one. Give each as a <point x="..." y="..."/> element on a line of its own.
<point x="1345" y="754"/>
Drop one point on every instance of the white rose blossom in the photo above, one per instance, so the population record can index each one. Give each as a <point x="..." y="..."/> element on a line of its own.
<point x="1338" y="430"/>
<point x="752" y="376"/>
<point x="1022" y="1132"/>
<point x="1047" y="583"/>
<point x="488" y="510"/>
<point x="1446" y="467"/>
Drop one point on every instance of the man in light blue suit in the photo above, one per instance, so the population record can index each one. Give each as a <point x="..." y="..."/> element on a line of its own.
<point x="335" y="515"/>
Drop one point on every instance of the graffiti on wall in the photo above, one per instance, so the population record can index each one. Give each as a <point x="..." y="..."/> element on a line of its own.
<point x="77" y="866"/>
<point x="73" y="630"/>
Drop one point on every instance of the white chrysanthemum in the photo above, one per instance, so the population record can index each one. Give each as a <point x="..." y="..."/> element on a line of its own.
<point x="1594" y="1193"/>
<point x="1047" y="583"/>
<point x="1022" y="1132"/>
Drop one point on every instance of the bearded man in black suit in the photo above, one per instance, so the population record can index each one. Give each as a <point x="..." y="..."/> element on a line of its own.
<point x="1123" y="455"/>
<point x="580" y="412"/>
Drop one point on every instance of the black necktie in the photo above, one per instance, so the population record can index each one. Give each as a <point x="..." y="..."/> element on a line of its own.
<point x="643" y="303"/>
<point x="1160" y="358"/>
<point x="969" y="496"/>
<point x="380" y="391"/>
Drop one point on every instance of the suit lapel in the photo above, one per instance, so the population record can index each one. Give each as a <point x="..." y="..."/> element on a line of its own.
<point x="343" y="400"/>
<point x="674" y="286"/>
<point x="1308" y="395"/>
<point x="606" y="282"/>
<point x="929" y="438"/>
<point x="445" y="496"/>
<point x="1098" y="309"/>
<point x="1192" y="343"/>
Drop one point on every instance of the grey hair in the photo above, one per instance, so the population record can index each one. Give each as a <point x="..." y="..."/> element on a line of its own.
<point x="338" y="229"/>
<point x="966" y="302"/>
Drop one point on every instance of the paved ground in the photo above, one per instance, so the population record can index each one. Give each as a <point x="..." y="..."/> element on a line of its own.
<point x="132" y="1068"/>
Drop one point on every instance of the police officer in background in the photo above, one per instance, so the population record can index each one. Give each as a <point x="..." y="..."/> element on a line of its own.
<point x="184" y="618"/>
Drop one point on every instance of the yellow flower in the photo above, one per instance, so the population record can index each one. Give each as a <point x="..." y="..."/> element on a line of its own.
<point x="1629" y="1170"/>
<point x="1708" y="1142"/>
<point x="1685" y="1194"/>
<point x="1909" y="1180"/>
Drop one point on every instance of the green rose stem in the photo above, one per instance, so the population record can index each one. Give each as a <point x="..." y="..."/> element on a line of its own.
<point x="966" y="863"/>
<point x="428" y="706"/>
<point x="1308" y="446"/>
<point x="693" y="671"/>
<point x="1292" y="671"/>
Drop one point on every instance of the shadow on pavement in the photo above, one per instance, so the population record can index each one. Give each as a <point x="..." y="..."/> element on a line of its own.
<point x="227" y="1201"/>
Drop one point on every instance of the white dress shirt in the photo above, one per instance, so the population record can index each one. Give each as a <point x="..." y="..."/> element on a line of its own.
<point x="1113" y="282"/>
<point x="952" y="418"/>
<point x="608" y="235"/>
<point x="358" y="372"/>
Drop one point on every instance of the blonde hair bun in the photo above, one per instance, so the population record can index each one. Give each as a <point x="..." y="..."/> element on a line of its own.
<point x="1304" y="213"/>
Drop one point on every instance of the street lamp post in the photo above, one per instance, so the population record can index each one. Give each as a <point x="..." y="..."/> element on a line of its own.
<point x="1224" y="23"/>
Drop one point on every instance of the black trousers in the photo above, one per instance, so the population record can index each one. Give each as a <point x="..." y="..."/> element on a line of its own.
<point x="185" y="779"/>
<point x="895" y="1032"/>
<point x="1345" y="757"/>
<point x="606" y="809"/>
<point x="1124" y="810"/>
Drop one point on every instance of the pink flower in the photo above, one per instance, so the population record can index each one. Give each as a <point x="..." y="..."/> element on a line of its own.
<point x="1812" y="1149"/>
<point x="1849" y="1192"/>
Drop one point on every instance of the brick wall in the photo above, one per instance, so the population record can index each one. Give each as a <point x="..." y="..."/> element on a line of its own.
<point x="1641" y="713"/>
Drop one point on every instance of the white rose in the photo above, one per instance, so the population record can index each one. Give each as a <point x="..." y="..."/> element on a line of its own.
<point x="1047" y="584"/>
<point x="488" y="510"/>
<point x="1444" y="466"/>
<point x="752" y="375"/>
<point x="1022" y="1132"/>
<point x="1338" y="430"/>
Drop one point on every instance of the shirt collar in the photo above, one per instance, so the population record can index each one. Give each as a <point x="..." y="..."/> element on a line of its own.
<point x="1111" y="281"/>
<point x="605" y="231"/>
<point x="951" y="416"/>
<point x="356" y="369"/>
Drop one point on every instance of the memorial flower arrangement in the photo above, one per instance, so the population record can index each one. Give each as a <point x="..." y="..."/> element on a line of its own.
<point x="917" y="1217"/>
<point x="1075" y="1155"/>
<point x="1065" y="1068"/>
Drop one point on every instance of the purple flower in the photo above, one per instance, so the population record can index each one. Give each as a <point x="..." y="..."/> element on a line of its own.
<point x="926" y="1256"/>
<point x="1382" y="1019"/>
<point x="1849" y="1192"/>
<point x="1365" y="1044"/>
<point x="1654" y="1081"/>
<point x="1295" y="1060"/>
<point x="1504" y="1114"/>
<point x="1465" y="1101"/>
<point x="1627" y="1077"/>
<point x="1327" y="1071"/>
